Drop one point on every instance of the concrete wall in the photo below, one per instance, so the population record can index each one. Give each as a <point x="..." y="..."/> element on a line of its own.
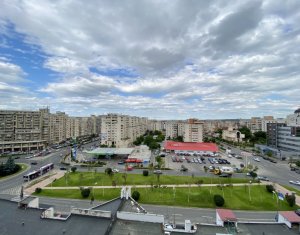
<point x="96" y="213"/>
<point x="152" y="218"/>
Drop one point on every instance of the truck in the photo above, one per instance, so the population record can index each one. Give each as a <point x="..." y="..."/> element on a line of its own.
<point x="224" y="171"/>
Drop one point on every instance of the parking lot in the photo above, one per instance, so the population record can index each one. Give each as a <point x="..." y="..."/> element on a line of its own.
<point x="195" y="163"/>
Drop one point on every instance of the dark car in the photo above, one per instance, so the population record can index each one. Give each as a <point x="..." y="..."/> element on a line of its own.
<point x="263" y="178"/>
<point x="297" y="212"/>
<point x="33" y="163"/>
<point x="63" y="168"/>
<point x="17" y="157"/>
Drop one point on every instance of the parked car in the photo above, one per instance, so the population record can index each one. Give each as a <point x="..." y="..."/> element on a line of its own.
<point x="63" y="169"/>
<point x="263" y="178"/>
<point x="115" y="170"/>
<point x="33" y="163"/>
<point x="297" y="212"/>
<point x="157" y="172"/>
<point x="294" y="182"/>
<point x="256" y="159"/>
<point x="183" y="168"/>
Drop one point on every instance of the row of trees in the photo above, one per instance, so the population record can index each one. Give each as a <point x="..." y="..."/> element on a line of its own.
<point x="9" y="167"/>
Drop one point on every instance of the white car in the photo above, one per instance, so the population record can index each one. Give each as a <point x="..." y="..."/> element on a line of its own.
<point x="256" y="159"/>
<point x="295" y="182"/>
<point x="115" y="170"/>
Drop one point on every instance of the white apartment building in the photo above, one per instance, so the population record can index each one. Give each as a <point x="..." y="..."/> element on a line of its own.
<point x="193" y="132"/>
<point x="121" y="130"/>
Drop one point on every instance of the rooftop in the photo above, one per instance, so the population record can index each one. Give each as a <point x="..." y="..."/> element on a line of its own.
<point x="191" y="146"/>
<point x="17" y="221"/>
<point x="226" y="215"/>
<point x="291" y="216"/>
<point x="111" y="151"/>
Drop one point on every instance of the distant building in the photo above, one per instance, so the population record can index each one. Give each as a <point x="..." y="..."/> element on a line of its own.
<point x="233" y="135"/>
<point x="285" y="137"/>
<point x="193" y="131"/>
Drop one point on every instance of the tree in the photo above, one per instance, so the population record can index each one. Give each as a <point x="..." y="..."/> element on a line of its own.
<point x="219" y="200"/>
<point x="73" y="169"/>
<point x="135" y="195"/>
<point x="145" y="173"/>
<point x="108" y="171"/>
<point x="245" y="130"/>
<point x="270" y="188"/>
<point x="85" y="192"/>
<point x="253" y="174"/>
<point x="291" y="199"/>
<point x="124" y="176"/>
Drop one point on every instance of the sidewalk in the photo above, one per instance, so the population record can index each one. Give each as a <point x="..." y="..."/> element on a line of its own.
<point x="149" y="186"/>
<point x="45" y="182"/>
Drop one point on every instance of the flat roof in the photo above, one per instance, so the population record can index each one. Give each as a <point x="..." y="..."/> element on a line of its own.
<point x="291" y="216"/>
<point x="191" y="146"/>
<point x="12" y="218"/>
<point x="111" y="151"/>
<point x="226" y="215"/>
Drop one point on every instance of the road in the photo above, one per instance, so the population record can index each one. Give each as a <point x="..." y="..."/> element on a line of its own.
<point x="277" y="172"/>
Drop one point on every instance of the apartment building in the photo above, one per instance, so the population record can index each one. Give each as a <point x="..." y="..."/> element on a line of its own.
<point x="121" y="130"/>
<point x="171" y="128"/>
<point x="265" y="120"/>
<point x="255" y="124"/>
<point x="193" y="131"/>
<point x="22" y="130"/>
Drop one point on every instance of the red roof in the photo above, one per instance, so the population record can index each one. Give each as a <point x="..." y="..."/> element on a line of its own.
<point x="226" y="215"/>
<point x="291" y="216"/>
<point x="191" y="146"/>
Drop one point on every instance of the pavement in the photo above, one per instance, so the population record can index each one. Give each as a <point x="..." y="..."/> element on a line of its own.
<point x="42" y="184"/>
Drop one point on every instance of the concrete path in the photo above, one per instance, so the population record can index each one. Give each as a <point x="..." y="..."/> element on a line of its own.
<point x="41" y="184"/>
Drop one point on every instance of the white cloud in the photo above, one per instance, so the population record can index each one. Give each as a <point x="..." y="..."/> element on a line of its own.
<point x="196" y="58"/>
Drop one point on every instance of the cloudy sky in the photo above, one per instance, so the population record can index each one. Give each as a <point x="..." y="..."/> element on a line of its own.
<point x="155" y="58"/>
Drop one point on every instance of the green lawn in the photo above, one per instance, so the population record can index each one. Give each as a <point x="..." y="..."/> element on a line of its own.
<point x="91" y="178"/>
<point x="23" y="168"/>
<point x="235" y="197"/>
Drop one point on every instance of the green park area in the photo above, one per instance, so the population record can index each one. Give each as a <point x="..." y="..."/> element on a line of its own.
<point x="99" y="179"/>
<point x="242" y="197"/>
<point x="247" y="197"/>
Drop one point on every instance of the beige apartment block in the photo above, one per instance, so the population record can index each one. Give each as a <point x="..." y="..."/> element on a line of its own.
<point x="193" y="131"/>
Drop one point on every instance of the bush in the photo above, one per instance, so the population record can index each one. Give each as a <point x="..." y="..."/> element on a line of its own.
<point x="145" y="173"/>
<point x="291" y="199"/>
<point x="108" y="171"/>
<point x="73" y="168"/>
<point x="38" y="190"/>
<point x="219" y="200"/>
<point x="85" y="192"/>
<point x="270" y="188"/>
<point x="135" y="195"/>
